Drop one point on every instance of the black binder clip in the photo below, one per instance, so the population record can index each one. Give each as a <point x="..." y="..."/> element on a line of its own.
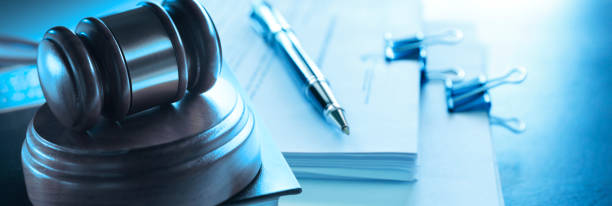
<point x="474" y="94"/>
<point x="467" y="95"/>
<point x="413" y="48"/>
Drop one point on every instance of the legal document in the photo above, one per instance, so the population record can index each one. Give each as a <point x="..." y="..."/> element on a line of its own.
<point x="381" y="99"/>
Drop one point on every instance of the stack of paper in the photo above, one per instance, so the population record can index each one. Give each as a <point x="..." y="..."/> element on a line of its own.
<point x="381" y="104"/>
<point x="345" y="38"/>
<point x="456" y="160"/>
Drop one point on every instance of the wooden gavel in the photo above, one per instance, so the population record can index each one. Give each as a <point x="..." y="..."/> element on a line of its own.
<point x="127" y="62"/>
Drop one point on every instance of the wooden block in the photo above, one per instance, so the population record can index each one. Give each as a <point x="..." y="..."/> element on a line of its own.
<point x="199" y="151"/>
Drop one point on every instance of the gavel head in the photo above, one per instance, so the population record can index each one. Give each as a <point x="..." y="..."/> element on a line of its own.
<point x="128" y="62"/>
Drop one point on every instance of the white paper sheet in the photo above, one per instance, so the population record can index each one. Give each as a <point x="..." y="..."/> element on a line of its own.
<point x="345" y="38"/>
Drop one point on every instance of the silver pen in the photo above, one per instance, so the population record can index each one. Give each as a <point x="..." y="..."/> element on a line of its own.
<point x="277" y="32"/>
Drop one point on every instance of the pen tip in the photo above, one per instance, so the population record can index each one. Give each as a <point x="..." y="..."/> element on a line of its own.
<point x="346" y="130"/>
<point x="337" y="116"/>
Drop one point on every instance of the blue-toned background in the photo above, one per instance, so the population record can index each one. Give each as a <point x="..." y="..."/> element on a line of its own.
<point x="564" y="157"/>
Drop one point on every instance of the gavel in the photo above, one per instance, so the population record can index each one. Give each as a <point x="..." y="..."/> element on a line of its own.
<point x="127" y="62"/>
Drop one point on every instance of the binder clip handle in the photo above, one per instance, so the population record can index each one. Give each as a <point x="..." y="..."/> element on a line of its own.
<point x="513" y="124"/>
<point x="451" y="36"/>
<point x="473" y="94"/>
<point x="515" y="75"/>
<point x="455" y="74"/>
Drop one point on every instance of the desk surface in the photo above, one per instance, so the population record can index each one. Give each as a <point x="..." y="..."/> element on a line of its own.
<point x="564" y="156"/>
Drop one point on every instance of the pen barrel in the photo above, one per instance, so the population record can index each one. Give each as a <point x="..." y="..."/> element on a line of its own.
<point x="277" y="32"/>
<point x="319" y="93"/>
<point x="306" y="69"/>
<point x="316" y="86"/>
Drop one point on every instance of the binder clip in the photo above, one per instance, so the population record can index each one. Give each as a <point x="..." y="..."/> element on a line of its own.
<point x="474" y="95"/>
<point x="413" y="48"/>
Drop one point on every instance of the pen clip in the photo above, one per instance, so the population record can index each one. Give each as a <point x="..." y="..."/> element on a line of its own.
<point x="266" y="20"/>
<point x="259" y="29"/>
